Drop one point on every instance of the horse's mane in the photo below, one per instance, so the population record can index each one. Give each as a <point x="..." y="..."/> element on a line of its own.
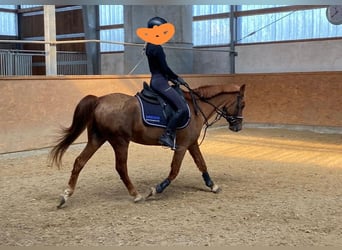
<point x="210" y="91"/>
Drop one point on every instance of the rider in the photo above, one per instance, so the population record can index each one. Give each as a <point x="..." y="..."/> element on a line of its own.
<point x="161" y="74"/>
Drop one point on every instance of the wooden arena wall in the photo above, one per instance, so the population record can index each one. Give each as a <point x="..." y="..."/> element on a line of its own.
<point x="32" y="109"/>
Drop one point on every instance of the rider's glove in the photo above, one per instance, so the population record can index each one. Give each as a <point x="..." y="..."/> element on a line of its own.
<point x="179" y="80"/>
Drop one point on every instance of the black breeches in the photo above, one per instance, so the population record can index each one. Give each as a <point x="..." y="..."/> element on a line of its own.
<point x="160" y="84"/>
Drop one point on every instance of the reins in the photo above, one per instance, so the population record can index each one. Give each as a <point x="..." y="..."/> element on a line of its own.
<point x="219" y="112"/>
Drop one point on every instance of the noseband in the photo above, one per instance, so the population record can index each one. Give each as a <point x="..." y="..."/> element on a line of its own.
<point x="234" y="119"/>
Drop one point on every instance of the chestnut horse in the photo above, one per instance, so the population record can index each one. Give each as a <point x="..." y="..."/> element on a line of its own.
<point x="116" y="118"/>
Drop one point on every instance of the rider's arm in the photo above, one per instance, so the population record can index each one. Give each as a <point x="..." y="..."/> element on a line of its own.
<point x="163" y="64"/>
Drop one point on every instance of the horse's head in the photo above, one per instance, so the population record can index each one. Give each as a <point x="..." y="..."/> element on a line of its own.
<point x="215" y="96"/>
<point x="233" y="112"/>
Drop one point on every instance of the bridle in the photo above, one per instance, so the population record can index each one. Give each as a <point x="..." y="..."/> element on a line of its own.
<point x="232" y="119"/>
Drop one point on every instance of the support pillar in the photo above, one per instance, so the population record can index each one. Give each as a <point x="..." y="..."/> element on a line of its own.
<point x="50" y="37"/>
<point x="90" y="24"/>
<point x="232" y="53"/>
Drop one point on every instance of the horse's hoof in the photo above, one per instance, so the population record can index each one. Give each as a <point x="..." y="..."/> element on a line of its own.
<point x="215" y="189"/>
<point x="152" y="192"/>
<point x="61" y="203"/>
<point x="138" y="198"/>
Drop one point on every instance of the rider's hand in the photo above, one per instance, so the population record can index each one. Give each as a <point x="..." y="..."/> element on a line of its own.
<point x="175" y="81"/>
<point x="180" y="81"/>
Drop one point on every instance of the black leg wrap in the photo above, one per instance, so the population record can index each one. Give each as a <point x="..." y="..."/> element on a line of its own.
<point x="207" y="179"/>
<point x="160" y="188"/>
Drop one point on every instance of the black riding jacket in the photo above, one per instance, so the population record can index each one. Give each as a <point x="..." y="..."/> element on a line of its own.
<point x="157" y="61"/>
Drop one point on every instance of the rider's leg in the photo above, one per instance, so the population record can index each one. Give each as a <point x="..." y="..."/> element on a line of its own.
<point x="169" y="136"/>
<point x="160" y="84"/>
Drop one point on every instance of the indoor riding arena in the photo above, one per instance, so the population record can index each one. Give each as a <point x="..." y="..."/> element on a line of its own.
<point x="278" y="181"/>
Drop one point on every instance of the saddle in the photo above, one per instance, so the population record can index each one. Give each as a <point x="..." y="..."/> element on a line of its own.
<point x="155" y="110"/>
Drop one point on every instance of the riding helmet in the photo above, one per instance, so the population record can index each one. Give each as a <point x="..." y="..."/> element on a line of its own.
<point x="155" y="21"/>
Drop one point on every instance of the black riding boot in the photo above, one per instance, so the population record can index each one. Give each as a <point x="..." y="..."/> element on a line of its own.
<point x="168" y="139"/>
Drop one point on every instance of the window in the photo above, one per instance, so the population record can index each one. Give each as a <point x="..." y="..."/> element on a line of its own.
<point x="257" y="7"/>
<point x="8" y="20"/>
<point x="211" y="32"/>
<point x="278" y="23"/>
<point x="112" y="35"/>
<point x="199" y="10"/>
<point x="29" y="6"/>
<point x="111" y="27"/>
<point x="281" y="26"/>
<point x="211" y="25"/>
<point x="111" y="14"/>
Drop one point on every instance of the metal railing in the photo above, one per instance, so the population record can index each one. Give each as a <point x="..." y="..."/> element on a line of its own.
<point x="15" y="63"/>
<point x="71" y="63"/>
<point x="20" y="62"/>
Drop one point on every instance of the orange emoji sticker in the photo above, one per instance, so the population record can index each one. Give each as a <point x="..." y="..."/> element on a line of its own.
<point x="157" y="35"/>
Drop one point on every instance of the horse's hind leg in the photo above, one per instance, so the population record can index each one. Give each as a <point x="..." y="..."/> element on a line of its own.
<point x="79" y="163"/>
<point x="199" y="161"/>
<point x="120" y="147"/>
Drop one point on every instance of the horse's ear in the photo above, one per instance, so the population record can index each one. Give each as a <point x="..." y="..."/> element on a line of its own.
<point x="242" y="89"/>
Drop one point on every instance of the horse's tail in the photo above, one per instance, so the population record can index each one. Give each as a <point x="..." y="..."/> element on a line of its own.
<point x="82" y="115"/>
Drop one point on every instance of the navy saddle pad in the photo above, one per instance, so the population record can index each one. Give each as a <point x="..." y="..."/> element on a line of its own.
<point x="155" y="110"/>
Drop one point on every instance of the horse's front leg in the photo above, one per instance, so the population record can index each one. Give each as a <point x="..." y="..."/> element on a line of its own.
<point x="199" y="160"/>
<point x="177" y="159"/>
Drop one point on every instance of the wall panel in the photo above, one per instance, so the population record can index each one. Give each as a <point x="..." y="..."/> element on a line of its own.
<point x="33" y="108"/>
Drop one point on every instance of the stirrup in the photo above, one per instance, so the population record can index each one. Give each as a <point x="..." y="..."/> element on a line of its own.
<point x="165" y="140"/>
